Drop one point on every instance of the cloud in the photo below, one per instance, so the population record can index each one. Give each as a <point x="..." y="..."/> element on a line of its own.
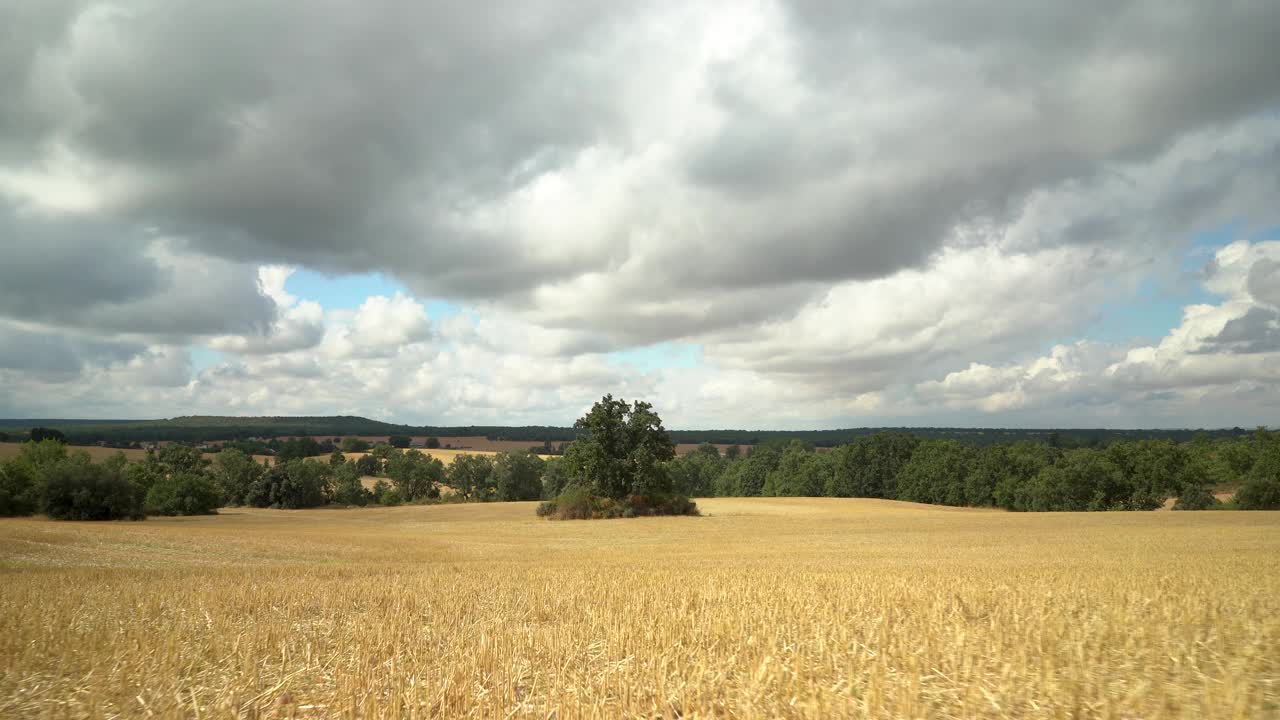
<point x="870" y="211"/>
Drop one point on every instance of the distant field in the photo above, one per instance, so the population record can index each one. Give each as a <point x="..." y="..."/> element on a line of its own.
<point x="763" y="608"/>
<point x="98" y="454"/>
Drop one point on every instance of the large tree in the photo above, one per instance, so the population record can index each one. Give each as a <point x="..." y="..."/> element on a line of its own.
<point x="623" y="450"/>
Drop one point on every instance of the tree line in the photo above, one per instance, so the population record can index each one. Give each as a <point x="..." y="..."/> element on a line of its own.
<point x="1020" y="476"/>
<point x="625" y="464"/>
<point x="195" y="429"/>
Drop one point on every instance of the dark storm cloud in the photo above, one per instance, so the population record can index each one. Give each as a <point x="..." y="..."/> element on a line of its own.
<point x="1257" y="331"/>
<point x="107" y="277"/>
<point x="396" y="136"/>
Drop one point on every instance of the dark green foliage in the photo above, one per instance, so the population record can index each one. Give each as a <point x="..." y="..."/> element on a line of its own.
<point x="180" y="458"/>
<point x="298" y="449"/>
<point x="74" y="489"/>
<point x="417" y="476"/>
<point x="517" y="476"/>
<point x="936" y="473"/>
<point x="1082" y="480"/>
<point x="296" y="484"/>
<point x="696" y="474"/>
<point x="578" y="503"/>
<point x="471" y="476"/>
<point x="400" y="441"/>
<point x="555" y="476"/>
<point x="433" y="443"/>
<point x="18" y="489"/>
<point x="336" y="458"/>
<point x="385" y="494"/>
<point x="235" y="473"/>
<point x="347" y="488"/>
<point x="1197" y="497"/>
<point x="869" y="466"/>
<point x="800" y="472"/>
<point x="623" y="451"/>
<point x="40" y="434"/>
<point x="184" y="493"/>
<point x="1259" y="494"/>
<point x="354" y="445"/>
<point x="1262" y="490"/>
<point x="369" y="465"/>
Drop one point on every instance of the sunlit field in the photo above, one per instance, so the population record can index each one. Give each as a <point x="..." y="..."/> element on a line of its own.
<point x="761" y="608"/>
<point x="98" y="454"/>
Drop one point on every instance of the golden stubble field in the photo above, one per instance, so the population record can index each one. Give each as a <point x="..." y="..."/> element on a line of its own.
<point x="764" y="608"/>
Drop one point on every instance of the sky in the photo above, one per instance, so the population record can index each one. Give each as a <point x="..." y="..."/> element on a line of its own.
<point x="751" y="214"/>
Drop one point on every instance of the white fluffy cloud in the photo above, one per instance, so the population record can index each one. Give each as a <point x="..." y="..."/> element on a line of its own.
<point x="860" y="213"/>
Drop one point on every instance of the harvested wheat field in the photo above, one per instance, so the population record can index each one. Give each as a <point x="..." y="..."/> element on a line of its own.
<point x="763" y="608"/>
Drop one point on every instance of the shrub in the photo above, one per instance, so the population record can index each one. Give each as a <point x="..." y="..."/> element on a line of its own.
<point x="184" y="493"/>
<point x="82" y="491"/>
<point x="576" y="503"/>
<point x="1196" y="496"/>
<point x="1261" y="493"/>
<point x="17" y="490"/>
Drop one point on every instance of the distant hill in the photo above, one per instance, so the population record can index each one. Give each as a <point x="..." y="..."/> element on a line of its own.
<point x="197" y="428"/>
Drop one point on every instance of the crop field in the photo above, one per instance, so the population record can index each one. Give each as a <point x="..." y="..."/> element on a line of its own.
<point x="98" y="454"/>
<point x="761" y="608"/>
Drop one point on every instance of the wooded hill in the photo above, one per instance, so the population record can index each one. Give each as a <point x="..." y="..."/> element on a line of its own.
<point x="207" y="428"/>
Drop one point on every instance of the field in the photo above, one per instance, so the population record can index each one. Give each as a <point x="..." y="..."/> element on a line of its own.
<point x="98" y="454"/>
<point x="762" y="608"/>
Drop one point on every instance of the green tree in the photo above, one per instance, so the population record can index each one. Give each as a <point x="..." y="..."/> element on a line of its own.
<point x="1262" y="489"/>
<point x="800" y="472"/>
<point x="433" y="443"/>
<point x="235" y="473"/>
<point x="400" y="441"/>
<point x="347" y="487"/>
<point x="336" y="458"/>
<point x="40" y="434"/>
<point x="18" y="489"/>
<point x="517" y="476"/>
<point x="623" y="450"/>
<point x="354" y="445"/>
<point x="416" y="476"/>
<point x="471" y="476"/>
<point x="869" y="466"/>
<point x="74" y="489"/>
<point x="936" y="473"/>
<point x="184" y="493"/>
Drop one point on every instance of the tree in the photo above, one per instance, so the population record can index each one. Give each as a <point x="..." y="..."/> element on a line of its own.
<point x="18" y="491"/>
<point x="296" y="484"/>
<point x="336" y="458"/>
<point x="235" y="473"/>
<point x="347" y="488"/>
<point x="696" y="473"/>
<point x="40" y="434"/>
<point x="433" y="443"/>
<point x="623" y="450"/>
<point x="936" y="473"/>
<point x="298" y="448"/>
<point x="354" y="445"/>
<point x="184" y="493"/>
<point x="369" y="465"/>
<point x="400" y="441"/>
<point x="800" y="472"/>
<point x="517" y="476"/>
<point x="1262" y="490"/>
<point x="471" y="476"/>
<point x="174" y="458"/>
<point x="869" y="466"/>
<point x="556" y="477"/>
<point x="74" y="489"/>
<point x="416" y="476"/>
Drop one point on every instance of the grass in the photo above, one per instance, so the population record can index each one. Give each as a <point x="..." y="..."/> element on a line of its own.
<point x="762" y="608"/>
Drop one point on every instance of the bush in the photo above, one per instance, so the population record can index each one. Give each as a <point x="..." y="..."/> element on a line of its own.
<point x="82" y="491"/>
<point x="1259" y="494"/>
<point x="1196" y="496"/>
<point x="576" y="503"/>
<point x="17" y="489"/>
<point x="184" y="493"/>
